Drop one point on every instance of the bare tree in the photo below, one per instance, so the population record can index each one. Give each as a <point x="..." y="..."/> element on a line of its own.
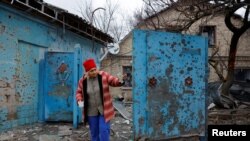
<point x="105" y="18"/>
<point x="191" y="11"/>
<point x="137" y="17"/>
<point x="119" y="28"/>
<point x="85" y="9"/>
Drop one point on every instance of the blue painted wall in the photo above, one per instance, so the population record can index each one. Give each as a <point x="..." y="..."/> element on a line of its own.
<point x="23" y="42"/>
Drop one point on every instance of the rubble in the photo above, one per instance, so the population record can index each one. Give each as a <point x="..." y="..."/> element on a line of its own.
<point x="233" y="109"/>
<point x="229" y="116"/>
<point x="120" y="107"/>
<point x="121" y="130"/>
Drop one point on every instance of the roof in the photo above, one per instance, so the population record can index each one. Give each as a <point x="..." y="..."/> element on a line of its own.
<point x="58" y="16"/>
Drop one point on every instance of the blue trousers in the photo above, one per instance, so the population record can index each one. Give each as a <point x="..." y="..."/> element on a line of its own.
<point x="99" y="129"/>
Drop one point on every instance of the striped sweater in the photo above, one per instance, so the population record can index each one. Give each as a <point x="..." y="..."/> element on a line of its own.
<point x="105" y="80"/>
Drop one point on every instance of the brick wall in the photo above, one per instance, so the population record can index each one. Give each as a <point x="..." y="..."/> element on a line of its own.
<point x="223" y="39"/>
<point x="113" y="65"/>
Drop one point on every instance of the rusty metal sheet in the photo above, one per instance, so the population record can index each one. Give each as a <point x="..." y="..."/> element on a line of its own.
<point x="169" y="91"/>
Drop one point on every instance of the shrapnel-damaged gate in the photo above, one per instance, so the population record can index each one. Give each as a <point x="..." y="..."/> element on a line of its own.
<point x="62" y="72"/>
<point x="59" y="68"/>
<point x="169" y="85"/>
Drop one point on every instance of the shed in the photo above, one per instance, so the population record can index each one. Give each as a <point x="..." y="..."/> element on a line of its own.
<point x="41" y="49"/>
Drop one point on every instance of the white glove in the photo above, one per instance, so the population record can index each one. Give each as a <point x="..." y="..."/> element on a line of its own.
<point x="80" y="104"/>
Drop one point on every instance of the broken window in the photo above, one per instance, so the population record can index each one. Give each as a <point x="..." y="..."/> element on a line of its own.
<point x="209" y="32"/>
<point x="127" y="71"/>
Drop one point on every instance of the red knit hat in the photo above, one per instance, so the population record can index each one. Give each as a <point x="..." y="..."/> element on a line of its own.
<point x="89" y="64"/>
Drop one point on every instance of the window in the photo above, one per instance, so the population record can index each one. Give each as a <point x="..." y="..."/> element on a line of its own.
<point x="127" y="71"/>
<point x="242" y="74"/>
<point x="209" y="32"/>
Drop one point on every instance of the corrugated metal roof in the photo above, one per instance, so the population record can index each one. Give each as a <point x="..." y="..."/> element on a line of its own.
<point x="56" y="15"/>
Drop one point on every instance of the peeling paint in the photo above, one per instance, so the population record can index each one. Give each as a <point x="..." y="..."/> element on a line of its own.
<point x="9" y="98"/>
<point x="12" y="113"/>
<point x="60" y="90"/>
<point x="58" y="86"/>
<point x="153" y="58"/>
<point x="175" y="84"/>
<point x="2" y="29"/>
<point x="23" y="42"/>
<point x="1" y="47"/>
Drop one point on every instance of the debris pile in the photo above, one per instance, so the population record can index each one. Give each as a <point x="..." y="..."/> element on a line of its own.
<point x="121" y="130"/>
<point x="232" y="109"/>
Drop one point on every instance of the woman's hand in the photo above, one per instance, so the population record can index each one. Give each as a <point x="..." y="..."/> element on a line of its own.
<point x="80" y="104"/>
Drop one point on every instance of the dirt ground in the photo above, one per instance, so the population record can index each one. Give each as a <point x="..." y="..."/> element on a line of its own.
<point x="229" y="116"/>
<point x="122" y="129"/>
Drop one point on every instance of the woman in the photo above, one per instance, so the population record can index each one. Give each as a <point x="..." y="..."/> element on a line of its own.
<point x="93" y="91"/>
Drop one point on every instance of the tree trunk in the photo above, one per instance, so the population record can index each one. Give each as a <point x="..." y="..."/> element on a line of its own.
<point x="237" y="32"/>
<point x="231" y="64"/>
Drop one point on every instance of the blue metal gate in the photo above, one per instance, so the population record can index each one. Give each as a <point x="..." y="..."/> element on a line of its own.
<point x="59" y="93"/>
<point x="169" y="91"/>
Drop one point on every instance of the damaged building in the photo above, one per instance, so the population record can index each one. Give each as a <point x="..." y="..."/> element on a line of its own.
<point x="41" y="50"/>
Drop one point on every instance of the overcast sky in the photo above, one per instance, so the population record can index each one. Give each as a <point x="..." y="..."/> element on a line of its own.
<point x="127" y="6"/>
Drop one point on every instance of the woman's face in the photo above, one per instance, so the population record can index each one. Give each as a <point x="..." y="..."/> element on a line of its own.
<point x="92" y="73"/>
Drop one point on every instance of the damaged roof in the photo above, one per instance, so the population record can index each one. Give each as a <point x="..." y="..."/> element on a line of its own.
<point x="55" y="15"/>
